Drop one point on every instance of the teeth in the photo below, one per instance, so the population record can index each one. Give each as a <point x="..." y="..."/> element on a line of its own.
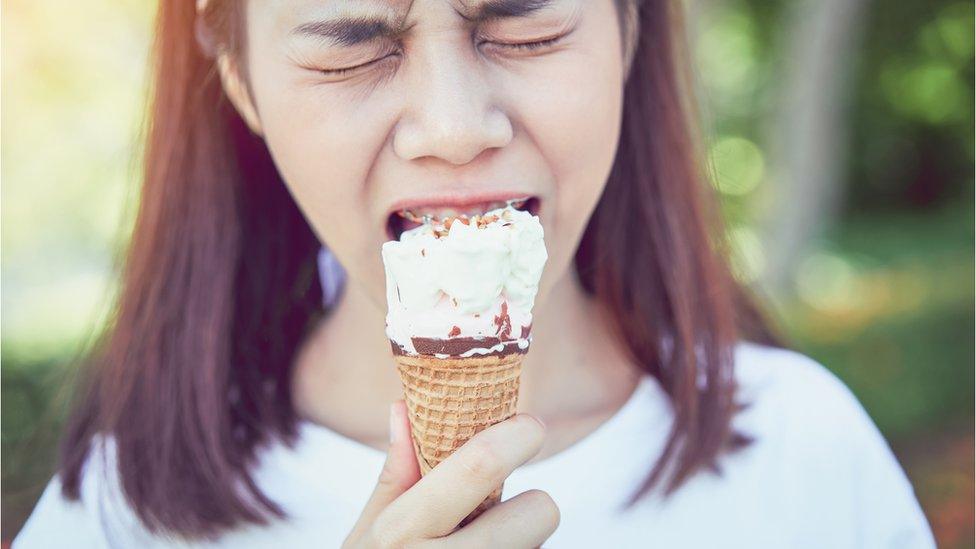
<point x="436" y="215"/>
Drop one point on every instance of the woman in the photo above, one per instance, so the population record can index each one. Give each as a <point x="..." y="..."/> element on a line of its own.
<point x="236" y="401"/>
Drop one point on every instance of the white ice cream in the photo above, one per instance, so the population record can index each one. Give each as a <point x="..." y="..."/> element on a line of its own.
<point x="443" y="283"/>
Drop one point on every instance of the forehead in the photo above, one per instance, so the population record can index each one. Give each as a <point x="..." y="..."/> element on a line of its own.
<point x="333" y="8"/>
<point x="351" y="22"/>
<point x="398" y="9"/>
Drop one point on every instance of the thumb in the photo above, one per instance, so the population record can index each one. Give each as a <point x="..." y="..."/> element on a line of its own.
<point x="400" y="471"/>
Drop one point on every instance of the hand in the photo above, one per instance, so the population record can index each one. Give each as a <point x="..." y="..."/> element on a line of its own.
<point x="406" y="510"/>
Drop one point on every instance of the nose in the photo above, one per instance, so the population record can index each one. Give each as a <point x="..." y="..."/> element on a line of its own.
<point x="451" y="113"/>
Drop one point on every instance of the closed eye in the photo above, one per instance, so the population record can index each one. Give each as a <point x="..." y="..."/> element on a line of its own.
<point x="343" y="71"/>
<point x="528" y="46"/>
<point x="511" y="46"/>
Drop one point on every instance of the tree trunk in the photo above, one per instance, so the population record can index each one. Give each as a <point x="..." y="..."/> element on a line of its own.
<point x="808" y="137"/>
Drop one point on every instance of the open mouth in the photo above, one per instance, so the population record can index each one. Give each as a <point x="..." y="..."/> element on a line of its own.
<point x="406" y="219"/>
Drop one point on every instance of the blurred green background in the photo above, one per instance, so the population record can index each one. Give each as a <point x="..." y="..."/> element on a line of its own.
<point x="841" y="142"/>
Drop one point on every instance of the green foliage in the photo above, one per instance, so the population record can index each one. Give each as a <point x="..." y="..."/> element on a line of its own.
<point x="32" y="407"/>
<point x="901" y="331"/>
<point x="913" y="111"/>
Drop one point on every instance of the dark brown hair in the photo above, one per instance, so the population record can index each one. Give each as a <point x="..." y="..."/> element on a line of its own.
<point x="193" y="374"/>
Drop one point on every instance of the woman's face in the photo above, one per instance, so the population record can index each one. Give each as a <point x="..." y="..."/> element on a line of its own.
<point x="371" y="106"/>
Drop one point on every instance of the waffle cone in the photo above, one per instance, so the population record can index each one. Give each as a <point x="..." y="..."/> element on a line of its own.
<point x="451" y="399"/>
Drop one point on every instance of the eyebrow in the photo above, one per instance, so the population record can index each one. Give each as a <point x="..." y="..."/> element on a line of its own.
<point x="357" y="30"/>
<point x="500" y="9"/>
<point x="346" y="31"/>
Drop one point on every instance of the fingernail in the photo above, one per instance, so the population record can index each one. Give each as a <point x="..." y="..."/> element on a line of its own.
<point x="394" y="423"/>
<point x="537" y="418"/>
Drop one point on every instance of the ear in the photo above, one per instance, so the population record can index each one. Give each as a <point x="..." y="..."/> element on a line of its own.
<point x="631" y="33"/>
<point x="237" y="91"/>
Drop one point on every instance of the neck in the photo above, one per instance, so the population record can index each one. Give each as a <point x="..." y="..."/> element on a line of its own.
<point x="345" y="377"/>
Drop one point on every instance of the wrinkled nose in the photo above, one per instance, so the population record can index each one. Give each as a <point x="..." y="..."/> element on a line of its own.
<point x="451" y="113"/>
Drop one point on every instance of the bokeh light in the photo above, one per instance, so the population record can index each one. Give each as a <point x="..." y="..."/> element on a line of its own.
<point x="738" y="165"/>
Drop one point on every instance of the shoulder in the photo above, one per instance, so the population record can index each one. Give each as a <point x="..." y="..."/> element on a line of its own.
<point x="784" y="381"/>
<point x="790" y="399"/>
<point x="814" y="440"/>
<point x="101" y="517"/>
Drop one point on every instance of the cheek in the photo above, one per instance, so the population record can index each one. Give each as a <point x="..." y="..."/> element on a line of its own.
<point x="324" y="148"/>
<point x="578" y="131"/>
<point x="573" y="115"/>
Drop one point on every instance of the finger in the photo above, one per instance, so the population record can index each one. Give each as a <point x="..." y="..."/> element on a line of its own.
<point x="437" y="503"/>
<point x="400" y="471"/>
<point x="527" y="520"/>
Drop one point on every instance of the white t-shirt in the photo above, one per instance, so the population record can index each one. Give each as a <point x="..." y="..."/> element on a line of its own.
<point x="818" y="475"/>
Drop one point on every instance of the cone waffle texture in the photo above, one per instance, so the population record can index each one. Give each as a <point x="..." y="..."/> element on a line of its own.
<point x="451" y="399"/>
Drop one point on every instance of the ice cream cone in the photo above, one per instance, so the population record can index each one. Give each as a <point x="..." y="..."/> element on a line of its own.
<point x="460" y="290"/>
<point x="449" y="400"/>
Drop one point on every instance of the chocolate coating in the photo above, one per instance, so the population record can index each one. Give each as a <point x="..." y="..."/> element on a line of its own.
<point x="457" y="346"/>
